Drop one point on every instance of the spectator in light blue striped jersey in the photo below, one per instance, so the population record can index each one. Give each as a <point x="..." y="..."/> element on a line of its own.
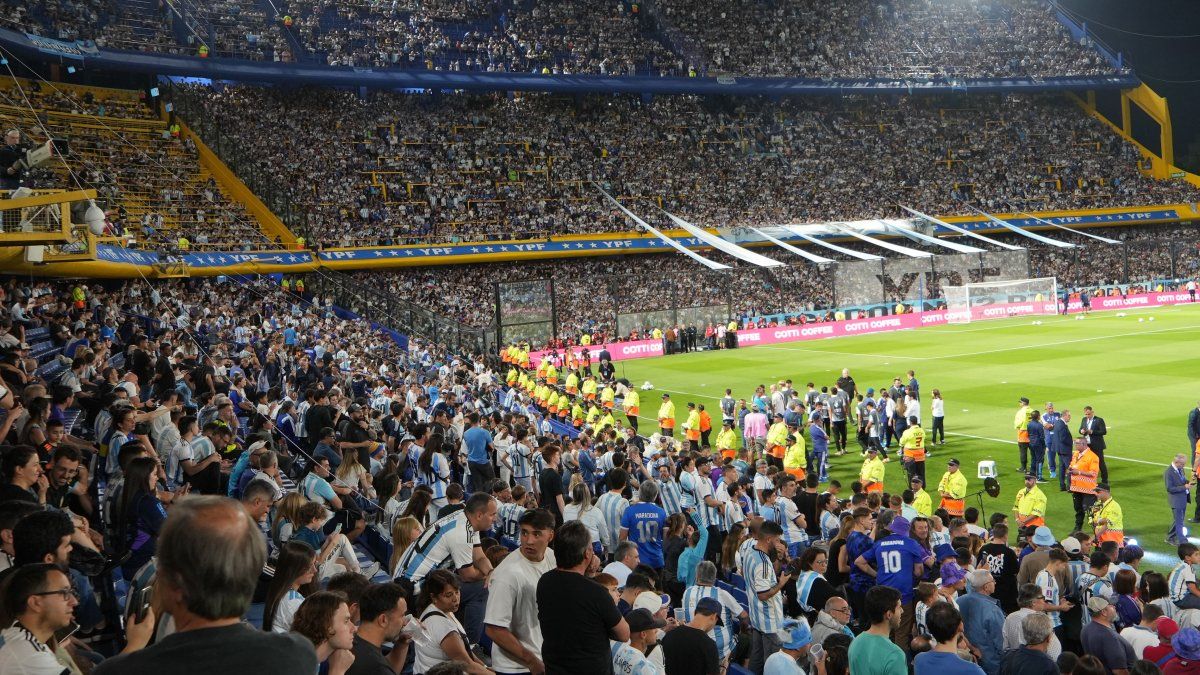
<point x="725" y="633"/>
<point x="763" y="588"/>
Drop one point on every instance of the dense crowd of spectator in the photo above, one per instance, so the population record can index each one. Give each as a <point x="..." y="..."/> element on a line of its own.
<point x="148" y="177"/>
<point x="226" y="476"/>
<point x="908" y="39"/>
<point x="625" y="297"/>
<point x="406" y="169"/>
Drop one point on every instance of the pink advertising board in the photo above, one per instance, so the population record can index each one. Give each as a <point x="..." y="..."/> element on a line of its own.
<point x="639" y="349"/>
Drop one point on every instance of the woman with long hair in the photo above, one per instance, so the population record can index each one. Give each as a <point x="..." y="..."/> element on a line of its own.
<point x="139" y="514"/>
<point x="324" y="620"/>
<point x="295" y="574"/>
<point x="287" y="515"/>
<point x="828" y="520"/>
<point x="433" y="469"/>
<point x="838" y="572"/>
<point x="404" y="532"/>
<point x="729" y="549"/>
<point x="446" y="638"/>
<point x="812" y="588"/>
<point x="674" y="541"/>
<point x="581" y="509"/>
<point x="387" y="487"/>
<point x="355" y="476"/>
<point x="420" y="507"/>
<point x="937" y="410"/>
<point x="34" y="431"/>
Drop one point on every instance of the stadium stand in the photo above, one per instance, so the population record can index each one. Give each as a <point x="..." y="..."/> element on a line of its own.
<point x="406" y="169"/>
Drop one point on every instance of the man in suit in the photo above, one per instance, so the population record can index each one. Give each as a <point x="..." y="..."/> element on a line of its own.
<point x="1193" y="433"/>
<point x="1179" y="493"/>
<point x="1060" y="444"/>
<point x="1093" y="427"/>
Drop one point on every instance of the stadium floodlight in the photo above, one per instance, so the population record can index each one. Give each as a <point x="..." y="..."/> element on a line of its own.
<point x="1001" y="299"/>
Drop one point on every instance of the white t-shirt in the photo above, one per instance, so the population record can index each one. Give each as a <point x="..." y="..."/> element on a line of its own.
<point x="181" y="452"/>
<point x="1139" y="638"/>
<point x="512" y="604"/>
<point x="619" y="571"/>
<point x="438" y="625"/>
<point x="286" y="612"/>
<point x="23" y="654"/>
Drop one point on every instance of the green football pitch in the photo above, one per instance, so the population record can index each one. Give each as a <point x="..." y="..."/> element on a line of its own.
<point x="1142" y="377"/>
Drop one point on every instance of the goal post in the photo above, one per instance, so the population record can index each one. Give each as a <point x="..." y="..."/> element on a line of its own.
<point x="1001" y="299"/>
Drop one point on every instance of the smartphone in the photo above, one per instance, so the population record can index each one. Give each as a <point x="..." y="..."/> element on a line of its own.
<point x="337" y="530"/>
<point x="63" y="634"/>
<point x="139" y="605"/>
<point x="815" y="652"/>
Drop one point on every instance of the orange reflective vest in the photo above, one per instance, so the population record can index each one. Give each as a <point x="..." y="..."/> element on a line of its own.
<point x="1085" y="466"/>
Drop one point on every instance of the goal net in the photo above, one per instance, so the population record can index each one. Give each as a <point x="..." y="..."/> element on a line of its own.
<point x="1000" y="299"/>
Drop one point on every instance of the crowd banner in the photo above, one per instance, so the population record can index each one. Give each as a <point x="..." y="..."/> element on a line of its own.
<point x="820" y="260"/>
<point x="1021" y="231"/>
<point x="710" y="264"/>
<point x="955" y="228"/>
<point x="1062" y="227"/>
<point x="722" y="245"/>
<point x="904" y="229"/>
<point x="833" y="247"/>
<point x="640" y="349"/>
<point x="903" y="250"/>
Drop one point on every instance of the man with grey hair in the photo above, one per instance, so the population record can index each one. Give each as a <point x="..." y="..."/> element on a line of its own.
<point x="983" y="620"/>
<point x="210" y="554"/>
<point x="643" y="523"/>
<point x="725" y="632"/>
<point x="1032" y="657"/>
<point x="625" y="560"/>
<point x="1031" y="601"/>
<point x="832" y="620"/>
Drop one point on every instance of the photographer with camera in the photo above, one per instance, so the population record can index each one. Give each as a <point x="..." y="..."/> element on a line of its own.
<point x="11" y="177"/>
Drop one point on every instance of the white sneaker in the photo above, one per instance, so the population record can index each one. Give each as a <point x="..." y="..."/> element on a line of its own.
<point x="371" y="570"/>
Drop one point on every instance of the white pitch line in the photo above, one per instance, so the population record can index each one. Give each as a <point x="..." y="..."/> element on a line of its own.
<point x="1003" y="440"/>
<point x="826" y="351"/>
<point x="1067" y="342"/>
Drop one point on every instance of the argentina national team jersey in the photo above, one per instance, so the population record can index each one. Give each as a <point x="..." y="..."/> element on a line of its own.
<point x="1090" y="585"/>
<point x="612" y="506"/>
<point x="730" y="609"/>
<point x="687" y="485"/>
<point x="1075" y="569"/>
<point x="1181" y="576"/>
<point x="671" y="496"/>
<point x="1049" y="586"/>
<point x="804" y="586"/>
<point x="438" y="477"/>
<point x="765" y="615"/>
<point x="628" y="660"/>
<point x="518" y="456"/>
<point x="508" y="517"/>
<point x="449" y="543"/>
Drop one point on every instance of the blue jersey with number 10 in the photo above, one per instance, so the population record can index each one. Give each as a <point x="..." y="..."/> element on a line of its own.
<point x="645" y="524"/>
<point x="894" y="558"/>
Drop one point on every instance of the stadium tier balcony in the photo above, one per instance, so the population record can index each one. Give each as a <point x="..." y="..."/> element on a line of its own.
<point x="407" y="169"/>
<point x="148" y="180"/>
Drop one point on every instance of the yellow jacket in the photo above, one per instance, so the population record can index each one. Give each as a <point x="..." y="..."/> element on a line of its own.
<point x="693" y="421"/>
<point x="593" y="414"/>
<point x="607" y="395"/>
<point x="1021" y="421"/>
<point x="777" y="434"/>
<point x="1111" y="511"/>
<point x="632" y="400"/>
<point x="576" y="412"/>
<point x="794" y="457"/>
<point x="923" y="503"/>
<point x="872" y="470"/>
<point x="573" y="381"/>
<point x="589" y="386"/>
<point x="727" y="439"/>
<point x="954" y="483"/>
<point x="666" y="410"/>
<point x="1031" y="502"/>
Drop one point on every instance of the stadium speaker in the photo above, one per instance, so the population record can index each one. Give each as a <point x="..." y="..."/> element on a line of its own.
<point x="992" y="487"/>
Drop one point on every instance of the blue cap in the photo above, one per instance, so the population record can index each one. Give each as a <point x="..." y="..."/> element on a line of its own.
<point x="798" y="633"/>
<point x="870" y="390"/>
<point x="709" y="606"/>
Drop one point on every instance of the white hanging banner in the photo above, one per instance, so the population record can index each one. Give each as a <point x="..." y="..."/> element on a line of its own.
<point x="1022" y="231"/>
<point x="710" y="264"/>
<point x="921" y="236"/>
<point x="1079" y="232"/>
<point x="904" y="250"/>
<point x="820" y="260"/>
<point x="722" y="245"/>
<point x="968" y="233"/>
<point x="833" y="247"/>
